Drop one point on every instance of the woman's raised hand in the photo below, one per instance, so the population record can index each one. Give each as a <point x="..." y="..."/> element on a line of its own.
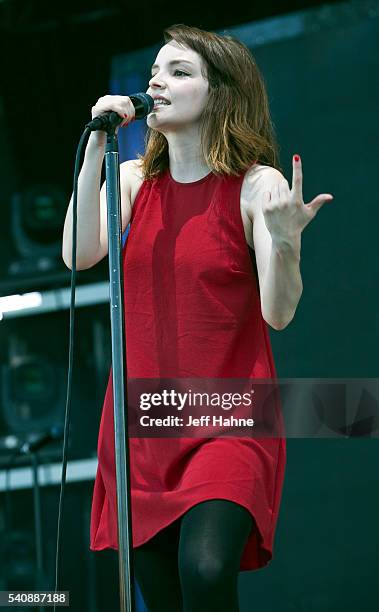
<point x="285" y="213"/>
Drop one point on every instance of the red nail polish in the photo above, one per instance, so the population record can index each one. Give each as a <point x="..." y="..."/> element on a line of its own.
<point x="296" y="157"/>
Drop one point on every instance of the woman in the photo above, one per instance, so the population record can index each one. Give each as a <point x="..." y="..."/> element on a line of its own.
<point x="211" y="260"/>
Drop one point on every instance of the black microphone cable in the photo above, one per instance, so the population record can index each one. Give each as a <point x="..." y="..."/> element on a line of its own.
<point x="79" y="155"/>
<point x="143" y="104"/>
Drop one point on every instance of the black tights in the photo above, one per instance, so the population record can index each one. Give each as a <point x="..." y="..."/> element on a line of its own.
<point x="192" y="565"/>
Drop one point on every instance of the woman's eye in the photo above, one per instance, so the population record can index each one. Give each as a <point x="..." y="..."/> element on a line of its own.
<point x="175" y="71"/>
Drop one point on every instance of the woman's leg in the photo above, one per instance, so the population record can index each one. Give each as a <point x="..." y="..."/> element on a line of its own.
<point x="156" y="570"/>
<point x="212" y="538"/>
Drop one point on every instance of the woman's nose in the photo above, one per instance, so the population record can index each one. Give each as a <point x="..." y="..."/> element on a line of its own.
<point x="155" y="82"/>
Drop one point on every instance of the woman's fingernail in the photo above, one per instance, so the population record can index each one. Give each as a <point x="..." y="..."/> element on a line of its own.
<point x="296" y="158"/>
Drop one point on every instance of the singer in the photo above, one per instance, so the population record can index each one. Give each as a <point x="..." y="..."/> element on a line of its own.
<point x="212" y="259"/>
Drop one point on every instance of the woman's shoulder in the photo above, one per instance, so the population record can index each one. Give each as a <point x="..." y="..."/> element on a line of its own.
<point x="258" y="174"/>
<point x="132" y="168"/>
<point x="258" y="170"/>
<point x="256" y="178"/>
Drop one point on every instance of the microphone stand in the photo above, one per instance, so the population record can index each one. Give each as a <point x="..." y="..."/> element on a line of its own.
<point x="119" y="372"/>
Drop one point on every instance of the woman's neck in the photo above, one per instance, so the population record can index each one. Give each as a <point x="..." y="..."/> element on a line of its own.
<point x="188" y="174"/>
<point x="186" y="160"/>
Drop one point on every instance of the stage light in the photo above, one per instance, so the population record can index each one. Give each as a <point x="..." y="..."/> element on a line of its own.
<point x="32" y="393"/>
<point x="37" y="219"/>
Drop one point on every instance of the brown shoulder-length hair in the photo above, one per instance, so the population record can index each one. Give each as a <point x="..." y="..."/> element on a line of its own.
<point x="236" y="128"/>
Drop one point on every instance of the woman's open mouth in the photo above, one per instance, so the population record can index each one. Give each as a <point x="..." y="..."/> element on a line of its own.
<point x="160" y="104"/>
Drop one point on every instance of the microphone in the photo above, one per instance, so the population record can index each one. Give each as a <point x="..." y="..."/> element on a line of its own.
<point x="143" y="104"/>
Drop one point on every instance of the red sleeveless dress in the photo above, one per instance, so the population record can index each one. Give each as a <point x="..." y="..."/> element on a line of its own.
<point x="192" y="309"/>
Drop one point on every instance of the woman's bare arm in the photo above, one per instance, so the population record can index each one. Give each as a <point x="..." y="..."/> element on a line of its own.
<point x="88" y="212"/>
<point x="92" y="243"/>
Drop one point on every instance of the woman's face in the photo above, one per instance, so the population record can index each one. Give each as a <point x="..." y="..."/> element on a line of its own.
<point x="182" y="84"/>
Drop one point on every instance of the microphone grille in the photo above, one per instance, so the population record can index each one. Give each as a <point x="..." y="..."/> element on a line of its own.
<point x="143" y="104"/>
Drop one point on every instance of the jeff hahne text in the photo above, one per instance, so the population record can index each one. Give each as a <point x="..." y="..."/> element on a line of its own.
<point x="178" y="401"/>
